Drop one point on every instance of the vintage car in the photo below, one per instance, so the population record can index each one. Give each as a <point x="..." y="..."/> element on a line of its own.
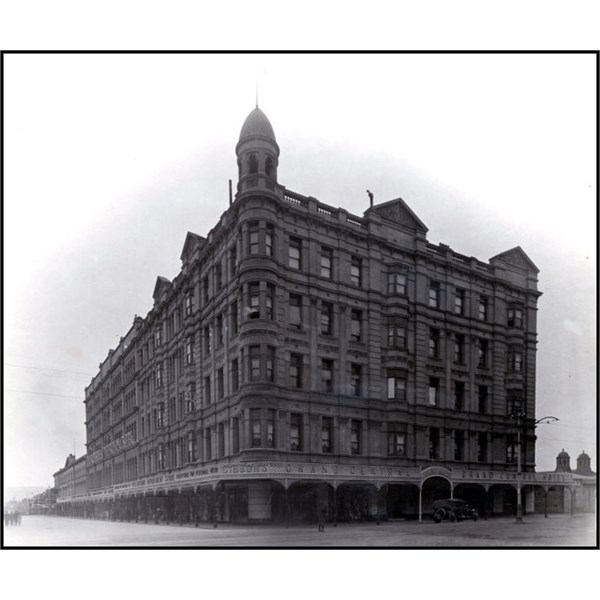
<point x="453" y="509"/>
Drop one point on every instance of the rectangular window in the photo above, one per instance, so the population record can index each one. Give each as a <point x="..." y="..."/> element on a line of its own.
<point x="397" y="335"/>
<point x="220" y="331"/>
<point x="514" y="404"/>
<point x="220" y="384"/>
<point x="482" y="398"/>
<point x="434" y="443"/>
<point x="191" y="447"/>
<point x="326" y="262"/>
<point x="181" y="405"/>
<point x="170" y="326"/>
<point x="269" y="240"/>
<point x="459" y="444"/>
<point x="355" y="325"/>
<point x="253" y="301"/>
<point x="482" y="446"/>
<point x="189" y="350"/>
<point x="171" y="367"/>
<point x="207" y="339"/>
<point x="295" y="432"/>
<point x="158" y="335"/>
<point x="233" y="260"/>
<point x="205" y="290"/>
<point x="355" y="379"/>
<point x="355" y="436"/>
<point x="160" y="415"/>
<point x="483" y="308"/>
<point x="296" y="378"/>
<point x="161" y="456"/>
<point x="254" y="358"/>
<point x="295" y="254"/>
<point x="233" y="318"/>
<point x="396" y="387"/>
<point x="515" y="361"/>
<point x="459" y="395"/>
<point x="221" y="439"/>
<point x="270" y="428"/>
<point x="179" y="318"/>
<point x="207" y="390"/>
<point x="327" y="375"/>
<point x="326" y="318"/>
<point x="270" y="301"/>
<point x="397" y="283"/>
<point x="255" y="429"/>
<point x="459" y="301"/>
<point x="191" y="397"/>
<point x="511" y="449"/>
<point x="208" y="441"/>
<point x="235" y="376"/>
<point x="218" y="276"/>
<point x="296" y="310"/>
<point x="434" y="294"/>
<point x="327" y="435"/>
<point x="482" y="354"/>
<point x="235" y="426"/>
<point x="515" y="316"/>
<point x="434" y="343"/>
<point x="459" y="348"/>
<point x="396" y="440"/>
<point x="270" y="363"/>
<point x="158" y="376"/>
<point x="356" y="271"/>
<point x="434" y="390"/>
<point x="253" y="233"/>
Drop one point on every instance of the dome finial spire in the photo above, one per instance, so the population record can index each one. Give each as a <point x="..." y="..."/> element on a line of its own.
<point x="257" y="94"/>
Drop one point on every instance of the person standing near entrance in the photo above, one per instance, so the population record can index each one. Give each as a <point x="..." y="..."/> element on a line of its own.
<point x="322" y="519"/>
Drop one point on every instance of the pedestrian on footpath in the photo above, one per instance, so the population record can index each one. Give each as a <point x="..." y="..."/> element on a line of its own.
<point x="322" y="520"/>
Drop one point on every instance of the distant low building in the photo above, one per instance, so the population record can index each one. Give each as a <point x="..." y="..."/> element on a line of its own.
<point x="44" y="503"/>
<point x="70" y="482"/>
<point x="580" y="498"/>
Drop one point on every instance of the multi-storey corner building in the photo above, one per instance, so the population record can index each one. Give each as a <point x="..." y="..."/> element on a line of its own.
<point x="307" y="360"/>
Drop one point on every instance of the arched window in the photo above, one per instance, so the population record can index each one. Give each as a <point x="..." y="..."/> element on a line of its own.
<point x="252" y="164"/>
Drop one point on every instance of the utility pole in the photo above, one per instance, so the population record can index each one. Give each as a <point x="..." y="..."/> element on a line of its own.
<point x="519" y="417"/>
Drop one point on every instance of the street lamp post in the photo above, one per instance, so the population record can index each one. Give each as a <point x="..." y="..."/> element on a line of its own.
<point x="519" y="419"/>
<point x="519" y="517"/>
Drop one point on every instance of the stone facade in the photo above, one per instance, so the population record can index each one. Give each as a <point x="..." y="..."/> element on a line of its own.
<point x="297" y="332"/>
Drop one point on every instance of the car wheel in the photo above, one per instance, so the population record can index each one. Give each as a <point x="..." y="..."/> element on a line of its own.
<point x="439" y="515"/>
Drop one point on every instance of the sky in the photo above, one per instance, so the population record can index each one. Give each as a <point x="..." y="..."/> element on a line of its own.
<point x="111" y="159"/>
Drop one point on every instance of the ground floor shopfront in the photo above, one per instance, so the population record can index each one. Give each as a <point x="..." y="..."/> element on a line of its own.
<point x="281" y="492"/>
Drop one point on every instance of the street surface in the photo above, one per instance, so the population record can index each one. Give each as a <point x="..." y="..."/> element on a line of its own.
<point x="536" y="531"/>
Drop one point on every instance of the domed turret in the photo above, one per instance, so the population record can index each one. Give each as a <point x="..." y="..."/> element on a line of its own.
<point x="563" y="462"/>
<point x="257" y="125"/>
<point x="583" y="465"/>
<point x="257" y="152"/>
